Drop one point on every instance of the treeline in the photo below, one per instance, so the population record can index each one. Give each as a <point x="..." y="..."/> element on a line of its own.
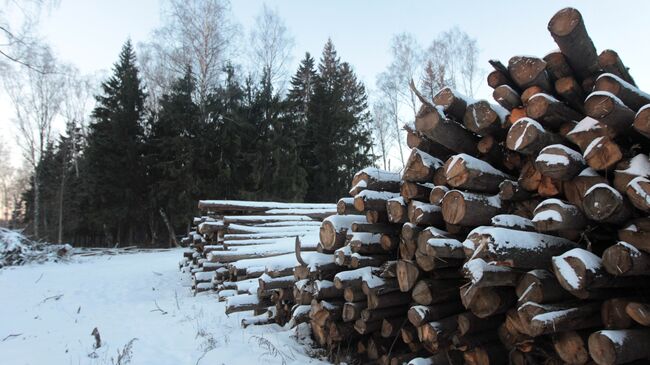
<point x="134" y="177"/>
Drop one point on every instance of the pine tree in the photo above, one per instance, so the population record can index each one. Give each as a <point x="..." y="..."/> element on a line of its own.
<point x="115" y="171"/>
<point x="337" y="141"/>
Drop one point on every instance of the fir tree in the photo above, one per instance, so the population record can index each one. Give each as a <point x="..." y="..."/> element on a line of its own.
<point x="336" y="142"/>
<point x="114" y="168"/>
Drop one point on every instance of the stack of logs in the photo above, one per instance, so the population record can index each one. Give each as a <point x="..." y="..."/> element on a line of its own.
<point x="245" y="251"/>
<point x="517" y="232"/>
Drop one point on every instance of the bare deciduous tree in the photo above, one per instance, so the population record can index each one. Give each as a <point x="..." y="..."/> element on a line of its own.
<point x="390" y="96"/>
<point x="6" y="176"/>
<point x="453" y="57"/>
<point x="36" y="94"/>
<point x="271" y="46"/>
<point x="407" y="57"/>
<point x="383" y="133"/>
<point x="198" y="33"/>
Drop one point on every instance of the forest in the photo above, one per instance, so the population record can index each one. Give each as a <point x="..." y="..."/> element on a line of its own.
<point x="185" y="116"/>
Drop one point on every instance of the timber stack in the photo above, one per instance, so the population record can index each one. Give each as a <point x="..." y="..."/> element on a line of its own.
<point x="517" y="232"/>
<point x="245" y="252"/>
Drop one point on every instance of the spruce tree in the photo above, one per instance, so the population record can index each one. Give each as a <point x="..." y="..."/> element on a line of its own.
<point x="115" y="171"/>
<point x="337" y="141"/>
<point x="302" y="88"/>
<point x="173" y="186"/>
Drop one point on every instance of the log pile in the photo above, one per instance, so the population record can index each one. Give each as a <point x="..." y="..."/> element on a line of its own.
<point x="245" y="252"/>
<point x="517" y="232"/>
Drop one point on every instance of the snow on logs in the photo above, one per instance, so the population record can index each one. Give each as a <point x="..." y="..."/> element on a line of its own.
<point x="515" y="233"/>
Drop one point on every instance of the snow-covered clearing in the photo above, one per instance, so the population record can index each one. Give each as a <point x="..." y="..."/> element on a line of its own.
<point x="48" y="311"/>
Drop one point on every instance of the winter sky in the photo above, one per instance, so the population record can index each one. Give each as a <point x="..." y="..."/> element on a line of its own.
<point x="89" y="33"/>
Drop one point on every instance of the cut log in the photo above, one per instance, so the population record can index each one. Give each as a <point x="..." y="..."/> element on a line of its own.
<point x="571" y="91"/>
<point x="432" y="291"/>
<point x="376" y="179"/>
<point x="434" y="125"/>
<point x="559" y="162"/>
<point x="529" y="137"/>
<point x="518" y="249"/>
<point x="415" y="139"/>
<point x="568" y="30"/>
<point x="334" y="230"/>
<point x="484" y="118"/>
<point x="452" y="102"/>
<point x="529" y="71"/>
<point x="610" y="62"/>
<point x="481" y="274"/>
<point x="438" y="331"/>
<point x="384" y="228"/>
<point x="627" y="170"/>
<point x="408" y="243"/>
<point x="469" y="323"/>
<point x="390" y="326"/>
<point x="629" y="94"/>
<point x="586" y="131"/>
<point x="613" y="314"/>
<point x="466" y="172"/>
<point x="366" y="243"/>
<point x="389" y="243"/>
<point x="638" y="191"/>
<point x="469" y="209"/>
<point x="575" y="190"/>
<point x="603" y="203"/>
<point x="387" y="300"/>
<point x="639" y="312"/>
<point x="415" y="191"/>
<point x="642" y="121"/>
<point x="397" y="210"/>
<point x="511" y="191"/>
<point x="610" y="110"/>
<point x="489" y="301"/>
<point x="352" y="310"/>
<point x="619" y="346"/>
<point x="345" y="206"/>
<point x="637" y="233"/>
<point x="424" y="214"/>
<point x="575" y="318"/>
<point x="623" y="259"/>
<point x="507" y="97"/>
<point x="529" y="177"/>
<point x="554" y="215"/>
<point x="354" y="294"/>
<point x="407" y="275"/>
<point x="540" y="286"/>
<point x="550" y="112"/>
<point x="421" y="314"/>
<point x="437" y="193"/>
<point x="580" y="271"/>
<point x="420" y="166"/>
<point x="557" y="66"/>
<point x="352" y="278"/>
<point x="373" y="200"/>
<point x="602" y="153"/>
<point x="571" y="346"/>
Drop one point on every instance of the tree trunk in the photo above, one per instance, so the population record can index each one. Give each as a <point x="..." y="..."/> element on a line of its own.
<point x="170" y="228"/>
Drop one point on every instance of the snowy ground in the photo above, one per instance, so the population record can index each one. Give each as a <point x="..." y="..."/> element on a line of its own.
<point x="48" y="311"/>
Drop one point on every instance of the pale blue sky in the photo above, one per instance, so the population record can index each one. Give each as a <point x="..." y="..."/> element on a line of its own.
<point x="90" y="33"/>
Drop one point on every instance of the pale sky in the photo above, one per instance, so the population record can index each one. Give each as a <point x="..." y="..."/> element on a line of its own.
<point x="89" y="33"/>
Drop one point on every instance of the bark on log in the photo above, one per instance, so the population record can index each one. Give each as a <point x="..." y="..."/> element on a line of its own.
<point x="432" y="291"/>
<point x="620" y="346"/>
<point x="568" y="30"/>
<point x="484" y="118"/>
<point x="420" y="314"/>
<point x="540" y="286"/>
<point x="554" y="215"/>
<point x="507" y="97"/>
<point x="469" y="209"/>
<point x="415" y="191"/>
<point x="603" y="203"/>
<point x="466" y="172"/>
<point x="529" y="137"/>
<point x="571" y="91"/>
<point x="529" y="71"/>
<point x="559" y="162"/>
<point x="452" y="102"/>
<point x="629" y="94"/>
<point x="610" y="110"/>
<point x="511" y="191"/>
<point x="435" y="126"/>
<point x="376" y="179"/>
<point x="613" y="313"/>
<point x="623" y="259"/>
<point x="557" y="65"/>
<point x="420" y="167"/>
<point x="550" y="112"/>
<point x="638" y="191"/>
<point x="610" y="62"/>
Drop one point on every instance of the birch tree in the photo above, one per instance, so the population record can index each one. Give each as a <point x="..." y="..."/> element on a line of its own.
<point x="36" y="95"/>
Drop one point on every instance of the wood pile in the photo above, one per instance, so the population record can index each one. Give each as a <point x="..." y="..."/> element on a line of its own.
<point x="245" y="252"/>
<point x="518" y="232"/>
